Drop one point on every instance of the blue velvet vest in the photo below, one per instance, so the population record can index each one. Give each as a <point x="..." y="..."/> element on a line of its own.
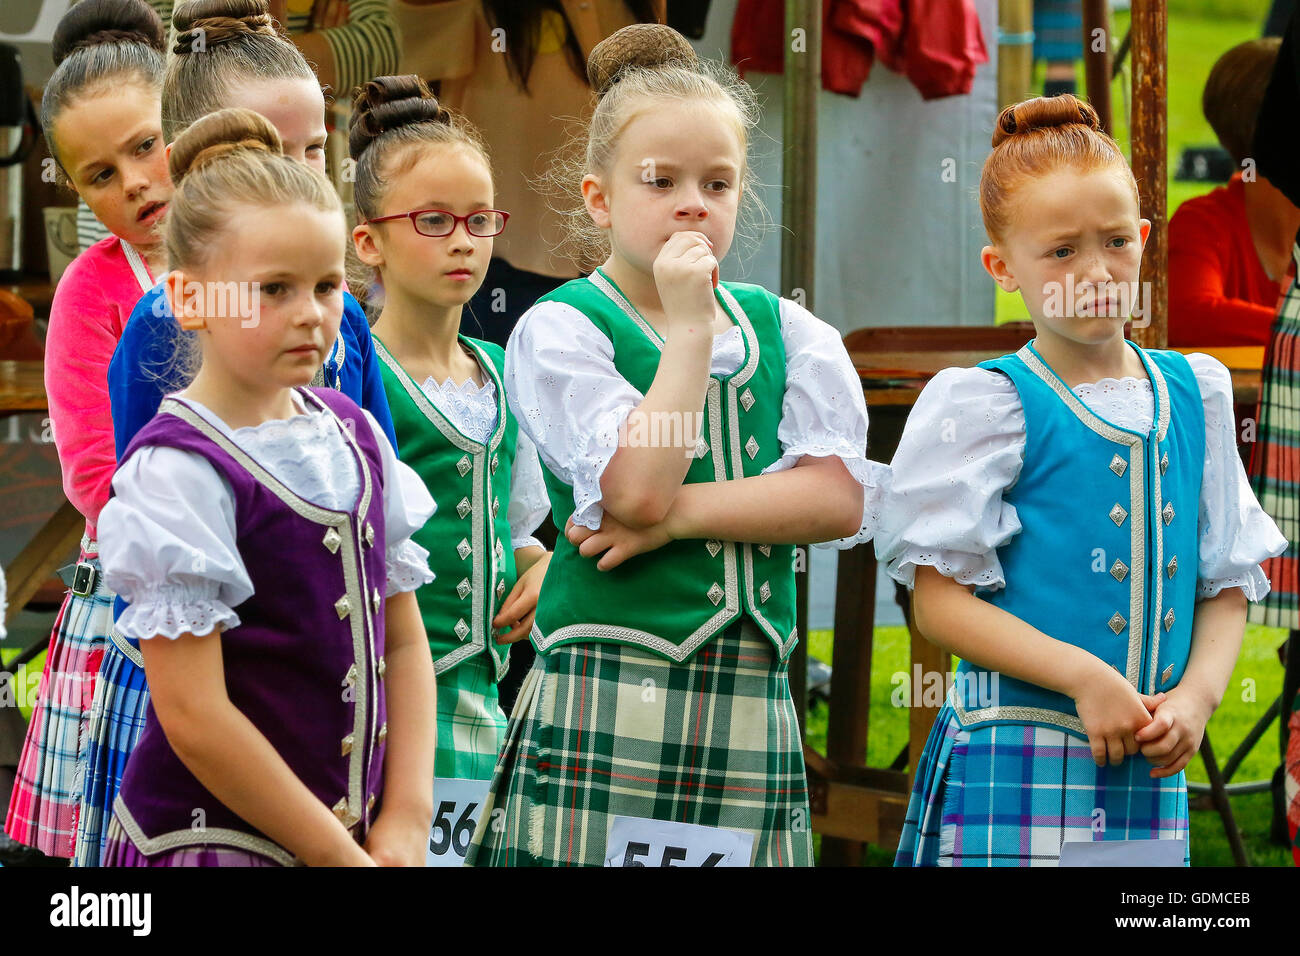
<point x="1107" y="555"/>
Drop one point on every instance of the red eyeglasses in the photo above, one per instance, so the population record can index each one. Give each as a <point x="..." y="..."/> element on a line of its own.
<point x="437" y="223"/>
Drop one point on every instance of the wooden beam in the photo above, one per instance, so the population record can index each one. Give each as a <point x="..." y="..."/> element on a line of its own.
<point x="1096" y="58"/>
<point x="1149" y="134"/>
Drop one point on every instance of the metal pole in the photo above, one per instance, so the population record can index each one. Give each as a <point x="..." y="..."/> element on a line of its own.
<point x="1150" y="148"/>
<point x="803" y="69"/>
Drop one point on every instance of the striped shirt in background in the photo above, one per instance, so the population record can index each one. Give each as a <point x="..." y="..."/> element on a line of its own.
<point x="365" y="47"/>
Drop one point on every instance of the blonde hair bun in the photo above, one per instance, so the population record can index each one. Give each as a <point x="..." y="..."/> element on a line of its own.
<point x="220" y="134"/>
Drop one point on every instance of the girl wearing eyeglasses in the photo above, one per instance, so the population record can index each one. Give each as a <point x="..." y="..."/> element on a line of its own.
<point x="424" y="195"/>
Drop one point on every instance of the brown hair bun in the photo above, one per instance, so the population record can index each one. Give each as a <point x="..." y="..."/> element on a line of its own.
<point x="94" y="22"/>
<point x="645" y="45"/>
<point x="1043" y="112"/>
<point x="220" y="134"/>
<point x="220" y="21"/>
<point x="387" y="103"/>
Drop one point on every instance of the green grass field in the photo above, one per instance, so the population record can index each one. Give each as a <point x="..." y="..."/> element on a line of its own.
<point x="1199" y="32"/>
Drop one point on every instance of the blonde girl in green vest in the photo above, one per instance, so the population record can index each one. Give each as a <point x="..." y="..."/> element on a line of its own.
<point x="423" y="193"/>
<point x="692" y="432"/>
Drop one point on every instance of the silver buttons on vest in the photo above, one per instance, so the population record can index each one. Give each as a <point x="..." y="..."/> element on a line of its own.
<point x="341" y="811"/>
<point x="714" y="547"/>
<point x="345" y="747"/>
<point x="1164" y="463"/>
<point x="332" y="540"/>
<point x="463" y="508"/>
<point x="500" y="551"/>
<point x="464" y="465"/>
<point x="461" y="629"/>
<point x="764" y="592"/>
<point x="1118" y="465"/>
<point x="1119" y="570"/>
<point x="746" y="399"/>
<point x="701" y="448"/>
<point x="1168" y="672"/>
<point x="381" y="667"/>
<point x="343" y="607"/>
<point x="1117" y="622"/>
<point x="463" y="588"/>
<point x="495" y="461"/>
<point x="463" y="549"/>
<point x="716" y="594"/>
<point x="765" y="550"/>
<point x="496" y="506"/>
<point x="501" y="590"/>
<point x="382" y="735"/>
<point x="350" y="678"/>
<point x="370" y="803"/>
<point x="1168" y="513"/>
<point x="751" y="447"/>
<point x="375" y="600"/>
<point x="370" y="534"/>
<point x="1118" y="514"/>
<point x="1169" y="619"/>
<point x="1172" y="567"/>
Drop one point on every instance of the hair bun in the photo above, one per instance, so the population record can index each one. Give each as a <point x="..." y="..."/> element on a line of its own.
<point x="643" y="45"/>
<point x="93" y="22"/>
<point x="390" y="102"/>
<point x="214" y="22"/>
<point x="220" y="134"/>
<point x="1044" y="112"/>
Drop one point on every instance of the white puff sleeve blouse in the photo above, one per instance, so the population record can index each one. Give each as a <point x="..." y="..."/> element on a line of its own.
<point x="964" y="444"/>
<point x="567" y="394"/>
<point x="168" y="538"/>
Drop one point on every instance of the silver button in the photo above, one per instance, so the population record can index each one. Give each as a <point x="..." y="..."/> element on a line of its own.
<point x="1119" y="570"/>
<point x="370" y="534"/>
<point x="461" y="629"/>
<point x="716" y="594"/>
<point x="1169" y="671"/>
<point x="340" y="810"/>
<point x="1118" y="465"/>
<point x="496" y="506"/>
<point x="343" y="607"/>
<point x="370" y="803"/>
<point x="751" y="447"/>
<point x="501" y="590"/>
<point x="1164" y="463"/>
<point x="350" y="678"/>
<point x="375" y="600"/>
<point x="1168" y="513"/>
<point x="463" y="508"/>
<point x="765" y="550"/>
<point x="701" y="448"/>
<point x="332" y="540"/>
<point x="463" y="549"/>
<point x="1118" y="514"/>
<point x="382" y="667"/>
<point x="747" y="399"/>
<point x="346" y="747"/>
<point x="1169" y="619"/>
<point x="1117" y="622"/>
<point x="764" y="592"/>
<point x="382" y="735"/>
<point x="714" y="547"/>
<point x="495" y="462"/>
<point x="464" y="465"/>
<point x="463" y="588"/>
<point x="1172" y="566"/>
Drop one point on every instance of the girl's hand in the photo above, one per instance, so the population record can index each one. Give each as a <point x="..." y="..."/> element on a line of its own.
<point x="520" y="606"/>
<point x="1174" y="735"/>
<point x="617" y="540"/>
<point x="1112" y="711"/>
<point x="684" y="272"/>
<point x="398" y="840"/>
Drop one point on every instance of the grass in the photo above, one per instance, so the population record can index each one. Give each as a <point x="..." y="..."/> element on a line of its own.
<point x="1256" y="681"/>
<point x="1199" y="32"/>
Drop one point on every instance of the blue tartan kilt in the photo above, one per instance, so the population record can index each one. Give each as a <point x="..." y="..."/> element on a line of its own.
<point x="116" y="720"/>
<point x="1012" y="794"/>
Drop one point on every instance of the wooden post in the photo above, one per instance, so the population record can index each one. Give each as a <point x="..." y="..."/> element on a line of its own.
<point x="1015" y="50"/>
<point x="1150" y="148"/>
<point x="1096" y="58"/>
<point x="803" y="74"/>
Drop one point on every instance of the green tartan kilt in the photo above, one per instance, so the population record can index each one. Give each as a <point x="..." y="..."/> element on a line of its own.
<point x="471" y="725"/>
<point x="605" y="730"/>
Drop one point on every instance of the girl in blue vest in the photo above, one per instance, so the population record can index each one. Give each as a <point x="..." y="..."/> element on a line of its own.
<point x="423" y="193"/>
<point x="1077" y="527"/>
<point x="241" y="61"/>
<point x="692" y="432"/>
<point x="261" y="533"/>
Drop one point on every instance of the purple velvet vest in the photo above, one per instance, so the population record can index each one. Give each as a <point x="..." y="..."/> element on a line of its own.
<point x="305" y="664"/>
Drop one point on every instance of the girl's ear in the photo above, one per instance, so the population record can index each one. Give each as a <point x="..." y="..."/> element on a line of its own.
<point x="188" y="318"/>
<point x="596" y="201"/>
<point x="1144" y="230"/>
<point x="996" y="265"/>
<point x="167" y="152"/>
<point x="369" y="248"/>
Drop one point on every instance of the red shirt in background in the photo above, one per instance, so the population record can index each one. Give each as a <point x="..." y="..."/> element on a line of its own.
<point x="1219" y="293"/>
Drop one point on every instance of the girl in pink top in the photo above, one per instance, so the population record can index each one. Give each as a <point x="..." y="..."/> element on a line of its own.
<point x="102" y="117"/>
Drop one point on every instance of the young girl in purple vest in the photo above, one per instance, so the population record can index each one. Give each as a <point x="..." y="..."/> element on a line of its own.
<point x="260" y="531"/>
<point x="1077" y="527"/>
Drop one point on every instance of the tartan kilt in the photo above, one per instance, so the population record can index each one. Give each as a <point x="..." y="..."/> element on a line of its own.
<point x="604" y="730"/>
<point x="120" y="851"/>
<point x="1275" y="464"/>
<point x="1011" y="794"/>
<point x="471" y="725"/>
<point x="47" y="789"/>
<point x="117" y="719"/>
